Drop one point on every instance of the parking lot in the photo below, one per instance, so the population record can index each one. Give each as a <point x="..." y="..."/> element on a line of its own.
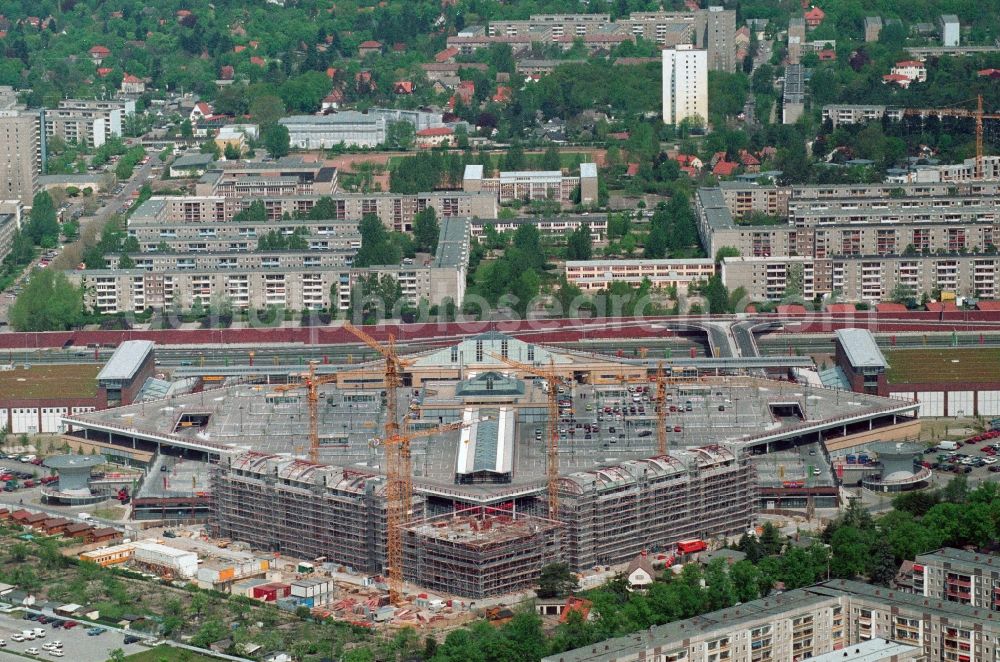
<point x="77" y="645"/>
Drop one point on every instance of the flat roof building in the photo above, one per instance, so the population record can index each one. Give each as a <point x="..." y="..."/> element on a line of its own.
<point x="685" y="85"/>
<point x="527" y="185"/>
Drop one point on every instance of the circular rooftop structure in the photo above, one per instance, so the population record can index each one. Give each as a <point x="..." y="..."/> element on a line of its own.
<point x="899" y="471"/>
<point x="74" y="476"/>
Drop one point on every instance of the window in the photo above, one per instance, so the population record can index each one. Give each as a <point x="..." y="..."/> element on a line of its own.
<point x="479" y="351"/>
<point x="454" y="354"/>
<point x="531" y="352"/>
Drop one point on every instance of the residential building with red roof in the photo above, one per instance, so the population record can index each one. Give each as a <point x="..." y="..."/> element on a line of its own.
<point x="402" y="87"/>
<point x="98" y="53"/>
<point x="725" y="169"/>
<point x="989" y="73"/>
<point x="913" y="70"/>
<point x="226" y="72"/>
<point x="104" y="71"/>
<point x="827" y="55"/>
<point x="503" y="94"/>
<point x="258" y="60"/>
<point x="132" y="85"/>
<point x="434" y="137"/>
<point x="369" y="47"/>
<point x="814" y="17"/>
<point x="446" y="56"/>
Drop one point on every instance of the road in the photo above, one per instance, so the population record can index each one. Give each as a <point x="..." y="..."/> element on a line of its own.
<point x="112" y="205"/>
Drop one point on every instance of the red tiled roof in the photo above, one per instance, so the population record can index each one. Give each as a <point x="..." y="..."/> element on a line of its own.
<point x="827" y="55"/>
<point x="890" y="308"/>
<point x="239" y="48"/>
<point x="619" y="135"/>
<point x="259" y="61"/>
<point x="725" y="168"/>
<point x="104" y="71"/>
<point x="226" y="72"/>
<point x="403" y="87"/>
<point x="100" y="50"/>
<point x="815" y="14"/>
<point x="632" y="170"/>
<point x="446" y="54"/>
<point x="989" y="73"/>
<point x="371" y="43"/>
<point x="910" y="63"/>
<point x="840" y="308"/>
<point x="895" y="78"/>
<point x="748" y="159"/>
<point x="940" y="306"/>
<point x="129" y="78"/>
<point x="988" y="305"/>
<point x="434" y="132"/>
<point x="503" y="94"/>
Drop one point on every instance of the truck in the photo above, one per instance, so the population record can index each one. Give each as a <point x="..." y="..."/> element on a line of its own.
<point x="948" y="446"/>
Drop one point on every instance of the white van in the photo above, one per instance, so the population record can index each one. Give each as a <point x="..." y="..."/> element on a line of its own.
<point x="947" y="445"/>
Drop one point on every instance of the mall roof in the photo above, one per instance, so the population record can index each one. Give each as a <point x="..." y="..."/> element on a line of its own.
<point x="861" y="349"/>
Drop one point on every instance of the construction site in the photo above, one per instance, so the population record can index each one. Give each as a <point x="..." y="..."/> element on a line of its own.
<point x="466" y="469"/>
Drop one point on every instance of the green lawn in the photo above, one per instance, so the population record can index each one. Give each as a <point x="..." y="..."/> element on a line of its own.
<point x="943" y="365"/>
<point x="169" y="653"/>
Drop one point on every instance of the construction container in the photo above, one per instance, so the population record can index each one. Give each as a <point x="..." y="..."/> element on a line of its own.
<point x="305" y="568"/>
<point x="271" y="592"/>
<point x="183" y="563"/>
<point x="311" y="588"/>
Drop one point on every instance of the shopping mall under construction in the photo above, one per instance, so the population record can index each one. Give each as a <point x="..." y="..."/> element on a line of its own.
<point x="481" y="521"/>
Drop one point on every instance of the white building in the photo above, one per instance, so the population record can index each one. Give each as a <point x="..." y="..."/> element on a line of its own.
<point x="594" y="275"/>
<point x="685" y="84"/>
<point x="950" y="29"/>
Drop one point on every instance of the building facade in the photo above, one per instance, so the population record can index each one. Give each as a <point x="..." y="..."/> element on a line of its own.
<point x="533" y="185"/>
<point x="862" y="241"/>
<point x="395" y="210"/>
<point x="959" y="576"/>
<point x="836" y="620"/>
<point x="685" y="84"/>
<point x="352" y="128"/>
<point x="87" y="122"/>
<point x="593" y="275"/>
<point x="20" y="155"/>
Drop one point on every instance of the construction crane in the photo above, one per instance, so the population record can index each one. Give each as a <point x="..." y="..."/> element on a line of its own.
<point x="963" y="112"/>
<point x="311" y="383"/>
<point x="399" y="495"/>
<point x="553" y="380"/>
<point x="661" y="410"/>
<point x="398" y="464"/>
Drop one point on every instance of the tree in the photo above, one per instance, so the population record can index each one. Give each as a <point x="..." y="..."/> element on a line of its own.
<point x="231" y="152"/>
<point x="276" y="140"/>
<point x="556" y="581"/>
<point x="579" y="245"/>
<point x="376" y="245"/>
<point x="882" y="569"/>
<point x="49" y="302"/>
<point x="43" y="226"/>
<point x="850" y="553"/>
<point x="267" y="110"/>
<point x="771" y="539"/>
<point x="400" y="135"/>
<point x="116" y="655"/>
<point x="550" y="159"/>
<point x="726" y="251"/>
<point x="426" y="230"/>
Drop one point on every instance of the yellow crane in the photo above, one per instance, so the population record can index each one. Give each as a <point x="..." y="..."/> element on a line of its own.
<point x="399" y="496"/>
<point x="398" y="464"/>
<point x="553" y="380"/>
<point x="311" y="382"/>
<point x="977" y="114"/>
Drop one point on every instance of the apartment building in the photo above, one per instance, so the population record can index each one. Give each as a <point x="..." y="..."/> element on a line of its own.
<point x="860" y="241"/>
<point x="796" y="38"/>
<point x="533" y="185"/>
<point x="558" y="226"/>
<point x="10" y="223"/>
<point x="793" y="95"/>
<point x="859" y="113"/>
<point x="685" y="84"/>
<point x="395" y="210"/>
<point x="256" y="179"/>
<point x="951" y="172"/>
<point x="712" y="29"/>
<point x="20" y="155"/>
<point x="221" y="237"/>
<point x="594" y="275"/>
<point x="959" y="576"/>
<point x="835" y="620"/>
<point x="869" y="278"/>
<point x="87" y="122"/>
<point x="296" y="280"/>
<point x="352" y="128"/>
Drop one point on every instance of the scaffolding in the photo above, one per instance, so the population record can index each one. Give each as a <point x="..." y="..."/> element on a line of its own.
<point x="614" y="513"/>
<point x="480" y="552"/>
<point x="301" y="509"/>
